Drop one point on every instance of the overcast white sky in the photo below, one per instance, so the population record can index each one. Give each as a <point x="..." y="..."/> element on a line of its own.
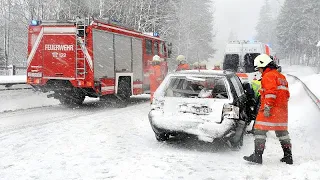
<point x="240" y="16"/>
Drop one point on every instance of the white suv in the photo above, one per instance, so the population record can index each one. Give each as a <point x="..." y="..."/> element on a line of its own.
<point x="209" y="104"/>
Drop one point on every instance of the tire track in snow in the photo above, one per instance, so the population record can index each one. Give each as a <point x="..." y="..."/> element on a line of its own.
<point x="52" y="114"/>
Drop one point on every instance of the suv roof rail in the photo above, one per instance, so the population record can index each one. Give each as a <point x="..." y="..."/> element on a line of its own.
<point x="228" y="71"/>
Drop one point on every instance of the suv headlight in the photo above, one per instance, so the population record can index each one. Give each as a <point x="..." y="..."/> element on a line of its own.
<point x="230" y="111"/>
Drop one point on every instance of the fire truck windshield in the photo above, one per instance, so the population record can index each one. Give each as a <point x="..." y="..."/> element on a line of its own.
<point x="249" y="62"/>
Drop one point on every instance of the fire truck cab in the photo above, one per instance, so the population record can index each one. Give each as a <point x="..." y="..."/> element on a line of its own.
<point x="84" y="57"/>
<point x="239" y="57"/>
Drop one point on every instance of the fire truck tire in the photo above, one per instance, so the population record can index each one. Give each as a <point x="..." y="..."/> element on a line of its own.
<point x="124" y="88"/>
<point x="72" y="100"/>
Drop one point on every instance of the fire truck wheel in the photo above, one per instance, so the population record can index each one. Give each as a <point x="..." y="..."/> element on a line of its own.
<point x="71" y="100"/>
<point x="124" y="88"/>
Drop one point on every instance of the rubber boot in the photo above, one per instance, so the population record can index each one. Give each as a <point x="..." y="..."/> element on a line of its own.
<point x="256" y="157"/>
<point x="287" y="157"/>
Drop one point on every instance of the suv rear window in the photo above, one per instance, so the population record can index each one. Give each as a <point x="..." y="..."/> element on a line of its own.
<point x="197" y="87"/>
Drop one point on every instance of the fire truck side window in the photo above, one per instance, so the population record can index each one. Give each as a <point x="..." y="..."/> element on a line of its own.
<point x="148" y="46"/>
<point x="156" y="49"/>
<point x="81" y="31"/>
<point x="162" y="51"/>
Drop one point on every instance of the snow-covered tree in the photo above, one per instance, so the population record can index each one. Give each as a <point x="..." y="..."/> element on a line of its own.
<point x="298" y="30"/>
<point x="2" y="58"/>
<point x="186" y="23"/>
<point x="266" y="25"/>
<point x="232" y="36"/>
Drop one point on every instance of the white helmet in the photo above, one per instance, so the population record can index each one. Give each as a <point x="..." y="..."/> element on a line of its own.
<point x="196" y="64"/>
<point x="262" y="60"/>
<point x="181" y="58"/>
<point x="203" y="63"/>
<point x="156" y="58"/>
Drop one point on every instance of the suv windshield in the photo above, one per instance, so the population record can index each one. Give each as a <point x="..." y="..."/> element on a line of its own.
<point x="197" y="87"/>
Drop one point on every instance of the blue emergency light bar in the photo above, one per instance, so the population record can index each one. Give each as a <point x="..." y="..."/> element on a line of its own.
<point x="35" y="23"/>
<point x="155" y="34"/>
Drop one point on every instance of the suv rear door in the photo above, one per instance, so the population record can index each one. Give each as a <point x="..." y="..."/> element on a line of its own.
<point x="238" y="92"/>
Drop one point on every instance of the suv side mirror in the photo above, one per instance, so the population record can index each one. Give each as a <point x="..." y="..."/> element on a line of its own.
<point x="279" y="69"/>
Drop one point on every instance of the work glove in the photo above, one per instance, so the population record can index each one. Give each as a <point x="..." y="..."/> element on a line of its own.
<point x="266" y="111"/>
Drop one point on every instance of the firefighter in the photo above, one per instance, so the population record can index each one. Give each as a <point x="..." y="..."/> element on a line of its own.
<point x="182" y="63"/>
<point x="203" y="65"/>
<point x="273" y="112"/>
<point x="195" y="65"/>
<point x="155" y="75"/>
<point x="216" y="67"/>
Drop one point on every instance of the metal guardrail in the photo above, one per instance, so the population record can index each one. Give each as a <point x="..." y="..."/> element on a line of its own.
<point x="13" y="70"/>
<point x="310" y="94"/>
<point x="15" y="89"/>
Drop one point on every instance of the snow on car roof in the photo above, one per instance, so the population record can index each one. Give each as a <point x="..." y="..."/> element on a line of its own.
<point x="203" y="72"/>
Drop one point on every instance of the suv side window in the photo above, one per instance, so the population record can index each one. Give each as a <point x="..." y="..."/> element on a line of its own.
<point x="237" y="85"/>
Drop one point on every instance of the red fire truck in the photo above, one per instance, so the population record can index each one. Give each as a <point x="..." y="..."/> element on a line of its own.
<point x="83" y="57"/>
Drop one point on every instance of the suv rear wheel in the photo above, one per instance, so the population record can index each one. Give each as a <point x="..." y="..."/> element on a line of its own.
<point x="162" y="137"/>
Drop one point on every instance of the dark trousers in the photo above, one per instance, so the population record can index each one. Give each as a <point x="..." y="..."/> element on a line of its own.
<point x="260" y="137"/>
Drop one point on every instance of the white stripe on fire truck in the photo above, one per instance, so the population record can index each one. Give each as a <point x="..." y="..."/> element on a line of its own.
<point x="63" y="78"/>
<point x="35" y="47"/>
<point x="107" y="88"/>
<point x="60" y="30"/>
<point x="122" y="30"/>
<point x="137" y="85"/>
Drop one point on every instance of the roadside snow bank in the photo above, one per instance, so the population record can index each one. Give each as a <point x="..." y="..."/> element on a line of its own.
<point x="12" y="100"/>
<point x="17" y="79"/>
<point x="313" y="83"/>
<point x="308" y="76"/>
<point x="299" y="71"/>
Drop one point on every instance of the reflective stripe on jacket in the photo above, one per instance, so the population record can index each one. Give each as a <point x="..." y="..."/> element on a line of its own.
<point x="275" y="94"/>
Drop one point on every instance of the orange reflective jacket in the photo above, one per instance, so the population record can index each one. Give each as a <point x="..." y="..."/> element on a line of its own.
<point x="155" y="78"/>
<point x="183" y="67"/>
<point x="275" y="94"/>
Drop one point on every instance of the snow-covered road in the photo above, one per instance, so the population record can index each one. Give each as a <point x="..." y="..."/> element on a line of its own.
<point x="101" y="142"/>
